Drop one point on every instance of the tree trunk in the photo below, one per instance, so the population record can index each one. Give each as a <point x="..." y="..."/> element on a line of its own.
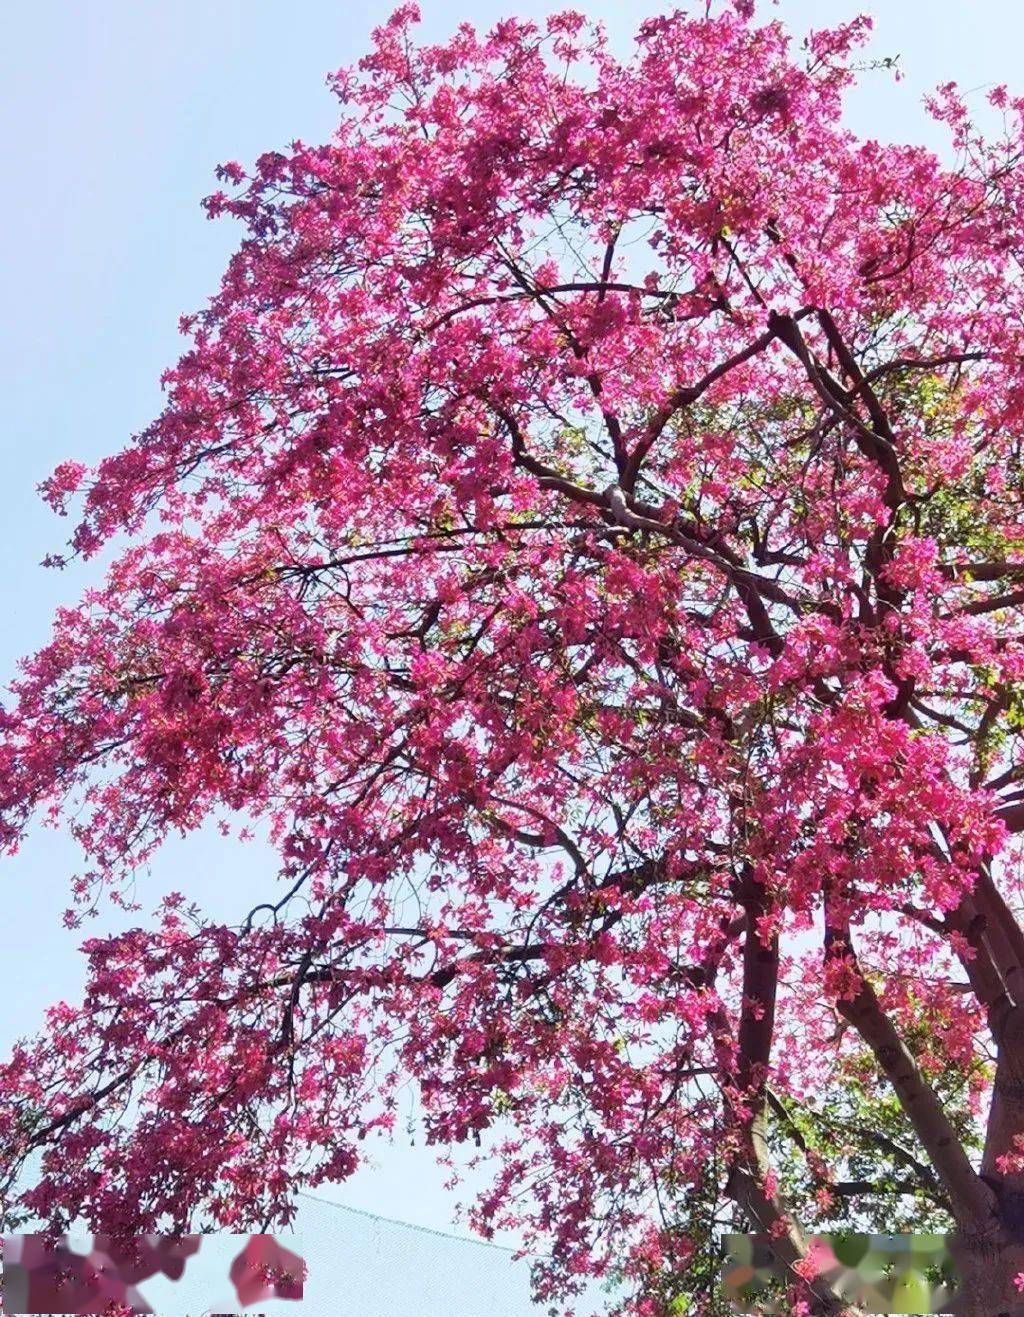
<point x="990" y="1260"/>
<point x="987" y="1268"/>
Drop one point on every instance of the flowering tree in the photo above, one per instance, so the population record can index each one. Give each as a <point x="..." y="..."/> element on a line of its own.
<point x="587" y="530"/>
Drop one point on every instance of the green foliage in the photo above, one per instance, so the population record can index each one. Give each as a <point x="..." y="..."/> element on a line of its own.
<point x="860" y="1133"/>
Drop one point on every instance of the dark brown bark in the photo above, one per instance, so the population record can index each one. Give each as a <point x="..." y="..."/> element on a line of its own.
<point x="750" y="1174"/>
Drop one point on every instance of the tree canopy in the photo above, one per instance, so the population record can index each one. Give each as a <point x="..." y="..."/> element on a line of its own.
<point x="586" y="529"/>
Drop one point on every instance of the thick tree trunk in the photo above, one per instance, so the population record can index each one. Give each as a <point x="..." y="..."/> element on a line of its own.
<point x="990" y="1261"/>
<point x="988" y="1268"/>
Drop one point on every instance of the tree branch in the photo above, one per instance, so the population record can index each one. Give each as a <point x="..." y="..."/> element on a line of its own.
<point x="970" y="1198"/>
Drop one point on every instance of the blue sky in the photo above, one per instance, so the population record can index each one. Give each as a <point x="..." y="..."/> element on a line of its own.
<point x="115" y="115"/>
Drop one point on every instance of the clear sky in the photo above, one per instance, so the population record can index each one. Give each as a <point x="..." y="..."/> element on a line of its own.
<point x="115" y="113"/>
